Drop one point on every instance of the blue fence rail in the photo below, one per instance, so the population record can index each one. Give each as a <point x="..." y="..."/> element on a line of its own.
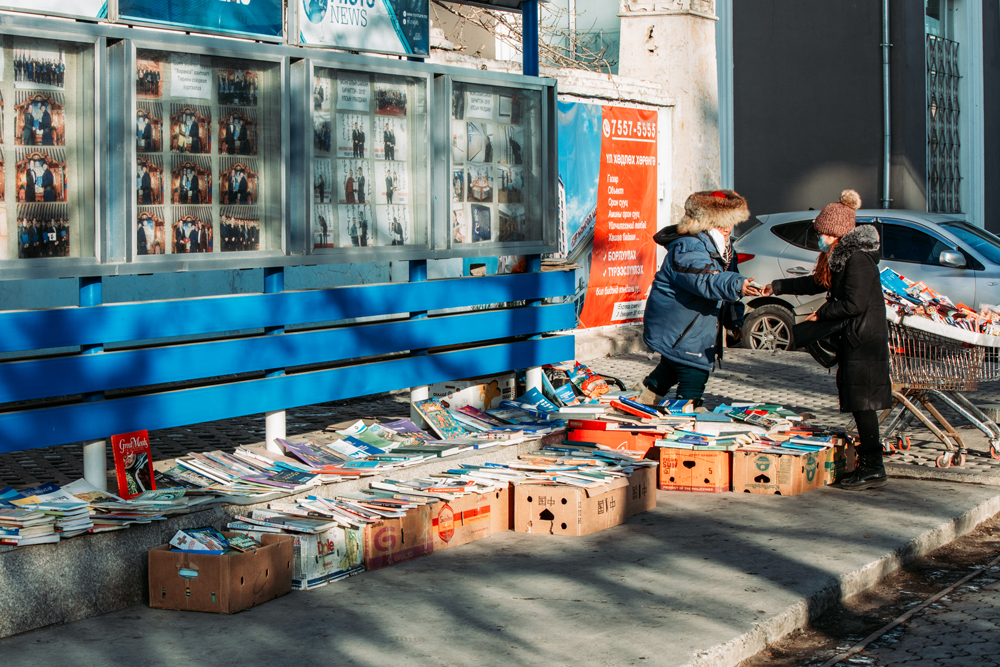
<point x="460" y="345"/>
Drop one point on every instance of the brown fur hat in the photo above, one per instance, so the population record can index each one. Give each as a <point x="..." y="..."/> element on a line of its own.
<point x="712" y="209"/>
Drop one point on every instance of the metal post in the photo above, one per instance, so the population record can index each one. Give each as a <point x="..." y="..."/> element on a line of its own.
<point x="418" y="274"/>
<point x="887" y="119"/>
<point x="95" y="462"/>
<point x="529" y="36"/>
<point x="274" y="422"/>
<point x="533" y="376"/>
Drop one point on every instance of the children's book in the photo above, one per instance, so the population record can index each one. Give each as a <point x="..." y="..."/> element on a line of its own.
<point x="532" y="402"/>
<point x="439" y="419"/>
<point x="133" y="463"/>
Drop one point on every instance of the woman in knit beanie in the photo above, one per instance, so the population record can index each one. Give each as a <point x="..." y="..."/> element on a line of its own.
<point x="847" y="270"/>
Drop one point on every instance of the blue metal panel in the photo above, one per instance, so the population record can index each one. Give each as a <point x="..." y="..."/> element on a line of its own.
<point x="529" y="42"/>
<point x="92" y="421"/>
<point x="36" y="330"/>
<point x="64" y="376"/>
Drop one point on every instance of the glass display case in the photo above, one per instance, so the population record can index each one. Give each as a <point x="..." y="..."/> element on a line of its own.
<point x="496" y="180"/>
<point x="370" y="167"/>
<point x="208" y="171"/>
<point x="47" y="139"/>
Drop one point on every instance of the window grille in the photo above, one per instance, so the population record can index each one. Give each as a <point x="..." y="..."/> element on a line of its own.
<point x="944" y="176"/>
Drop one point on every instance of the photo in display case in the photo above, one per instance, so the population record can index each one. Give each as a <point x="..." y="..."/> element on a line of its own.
<point x="148" y="127"/>
<point x="40" y="118"/>
<point x="151" y="231"/>
<point x="149" y="180"/>
<point x="49" y="148"/>
<point x="492" y="192"/>
<point x="368" y="164"/>
<point x="221" y="158"/>
<point x="192" y="230"/>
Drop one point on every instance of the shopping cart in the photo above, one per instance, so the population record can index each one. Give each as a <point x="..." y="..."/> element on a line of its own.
<point x="924" y="365"/>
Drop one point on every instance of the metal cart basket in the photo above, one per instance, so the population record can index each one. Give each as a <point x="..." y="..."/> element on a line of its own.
<point x="924" y="365"/>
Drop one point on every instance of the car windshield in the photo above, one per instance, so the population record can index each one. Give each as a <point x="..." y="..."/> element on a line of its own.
<point x="983" y="242"/>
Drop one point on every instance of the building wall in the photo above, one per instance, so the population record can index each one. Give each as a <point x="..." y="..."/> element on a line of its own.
<point x="807" y="93"/>
<point x="473" y="40"/>
<point x="908" y="104"/>
<point x="991" y="104"/>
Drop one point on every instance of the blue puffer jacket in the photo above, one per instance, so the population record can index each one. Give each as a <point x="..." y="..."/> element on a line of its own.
<point x="682" y="313"/>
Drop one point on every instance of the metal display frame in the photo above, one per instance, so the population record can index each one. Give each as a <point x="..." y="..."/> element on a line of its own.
<point x="548" y="152"/>
<point x="94" y="35"/>
<point x="122" y="118"/>
<point x="114" y="153"/>
<point x="423" y="217"/>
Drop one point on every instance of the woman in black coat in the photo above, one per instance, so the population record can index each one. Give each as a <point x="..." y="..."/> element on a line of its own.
<point x="848" y="271"/>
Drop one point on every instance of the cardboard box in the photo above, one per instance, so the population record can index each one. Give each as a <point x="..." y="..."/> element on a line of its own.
<point x="690" y="470"/>
<point x="394" y="541"/>
<point x="461" y="520"/>
<point x="778" y="474"/>
<point x="640" y="495"/>
<point x="326" y="557"/>
<point x="484" y="393"/>
<point x="567" y="510"/>
<point x="841" y="460"/>
<point x="642" y="442"/>
<point x="223" y="584"/>
<point x="502" y="510"/>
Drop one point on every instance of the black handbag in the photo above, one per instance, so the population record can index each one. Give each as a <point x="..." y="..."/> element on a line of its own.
<point x="821" y="340"/>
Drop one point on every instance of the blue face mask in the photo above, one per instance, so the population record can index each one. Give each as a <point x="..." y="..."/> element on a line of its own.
<point x="823" y="245"/>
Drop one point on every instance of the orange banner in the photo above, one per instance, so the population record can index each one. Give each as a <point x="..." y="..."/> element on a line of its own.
<point x="624" y="258"/>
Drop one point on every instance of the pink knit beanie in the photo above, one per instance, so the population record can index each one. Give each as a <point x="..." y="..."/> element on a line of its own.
<point x="837" y="219"/>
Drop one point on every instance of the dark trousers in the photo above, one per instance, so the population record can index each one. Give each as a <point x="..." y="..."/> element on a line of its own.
<point x="690" y="381"/>
<point x="870" y="448"/>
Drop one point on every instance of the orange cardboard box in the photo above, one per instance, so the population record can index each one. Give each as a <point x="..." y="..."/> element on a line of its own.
<point x="462" y="520"/>
<point x="840" y="461"/>
<point x="393" y="541"/>
<point x="691" y="470"/>
<point x="224" y="584"/>
<point x="642" y="442"/>
<point x="502" y="510"/>
<point x="568" y="510"/>
<point x="779" y="474"/>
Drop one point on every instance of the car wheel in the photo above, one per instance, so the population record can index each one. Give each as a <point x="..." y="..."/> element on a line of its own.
<point x="768" y="328"/>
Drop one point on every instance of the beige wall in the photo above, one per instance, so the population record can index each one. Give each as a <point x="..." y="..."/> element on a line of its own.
<point x="673" y="43"/>
<point x="473" y="39"/>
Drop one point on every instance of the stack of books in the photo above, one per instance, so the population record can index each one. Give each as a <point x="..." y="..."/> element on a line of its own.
<point x="21" y="527"/>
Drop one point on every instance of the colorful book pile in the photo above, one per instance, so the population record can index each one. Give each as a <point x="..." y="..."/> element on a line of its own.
<point x="21" y="527"/>
<point x="208" y="540"/>
<point x="915" y="299"/>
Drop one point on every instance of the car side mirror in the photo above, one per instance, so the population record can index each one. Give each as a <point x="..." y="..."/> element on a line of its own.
<point x="952" y="259"/>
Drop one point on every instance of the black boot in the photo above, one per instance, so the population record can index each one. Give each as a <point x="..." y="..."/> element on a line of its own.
<point x="869" y="473"/>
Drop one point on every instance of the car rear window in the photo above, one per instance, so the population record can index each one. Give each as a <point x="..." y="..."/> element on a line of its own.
<point x="799" y="234"/>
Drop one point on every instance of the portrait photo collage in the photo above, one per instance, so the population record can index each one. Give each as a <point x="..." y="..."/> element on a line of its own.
<point x="488" y="153"/>
<point x="39" y="203"/>
<point x="363" y="142"/>
<point x="201" y="133"/>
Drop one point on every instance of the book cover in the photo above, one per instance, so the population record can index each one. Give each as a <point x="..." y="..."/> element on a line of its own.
<point x="439" y="420"/>
<point x="532" y="402"/>
<point x="133" y="463"/>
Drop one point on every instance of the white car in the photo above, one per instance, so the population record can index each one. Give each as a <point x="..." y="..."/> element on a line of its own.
<point x="950" y="255"/>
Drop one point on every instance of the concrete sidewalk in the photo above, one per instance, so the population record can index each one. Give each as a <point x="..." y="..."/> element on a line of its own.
<point x="704" y="579"/>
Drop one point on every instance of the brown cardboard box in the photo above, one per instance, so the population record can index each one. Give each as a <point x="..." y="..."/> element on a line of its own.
<point x="461" y="520"/>
<point x="568" y="510"/>
<point x="778" y="474"/>
<point x="393" y="541"/>
<point x="640" y="494"/>
<point x="502" y="510"/>
<point x="840" y="460"/>
<point x="222" y="584"/>
<point x="690" y="470"/>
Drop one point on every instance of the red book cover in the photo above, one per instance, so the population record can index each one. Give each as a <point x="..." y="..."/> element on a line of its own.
<point x="133" y="463"/>
<point x="592" y="424"/>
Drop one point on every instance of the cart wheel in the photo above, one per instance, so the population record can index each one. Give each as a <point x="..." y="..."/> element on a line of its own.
<point x="888" y="449"/>
<point x="995" y="451"/>
<point x="958" y="460"/>
<point x="904" y="443"/>
<point x="944" y="461"/>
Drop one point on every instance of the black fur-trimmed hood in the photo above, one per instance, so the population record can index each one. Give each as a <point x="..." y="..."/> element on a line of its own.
<point x="862" y="238"/>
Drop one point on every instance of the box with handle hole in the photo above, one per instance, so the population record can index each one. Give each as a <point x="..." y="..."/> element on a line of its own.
<point x="691" y="470"/>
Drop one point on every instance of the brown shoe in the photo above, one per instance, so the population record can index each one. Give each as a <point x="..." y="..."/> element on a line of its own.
<point x="646" y="395"/>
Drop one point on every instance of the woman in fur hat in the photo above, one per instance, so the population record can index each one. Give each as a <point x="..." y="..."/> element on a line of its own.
<point x="847" y="270"/>
<point x="682" y="313"/>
